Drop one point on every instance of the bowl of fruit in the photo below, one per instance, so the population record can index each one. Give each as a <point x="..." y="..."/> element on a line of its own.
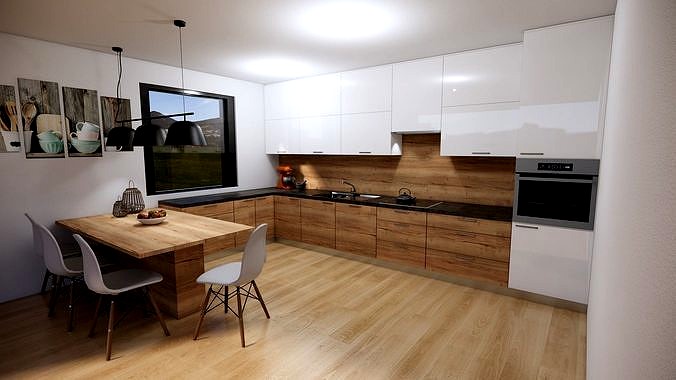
<point x="154" y="216"/>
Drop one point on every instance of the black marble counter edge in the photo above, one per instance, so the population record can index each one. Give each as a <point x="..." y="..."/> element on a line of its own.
<point x="469" y="210"/>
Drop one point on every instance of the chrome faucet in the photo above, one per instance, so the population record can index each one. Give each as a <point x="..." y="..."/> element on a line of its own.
<point x="344" y="182"/>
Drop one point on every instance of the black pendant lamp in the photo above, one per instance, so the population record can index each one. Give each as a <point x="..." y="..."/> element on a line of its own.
<point x="119" y="136"/>
<point x="184" y="132"/>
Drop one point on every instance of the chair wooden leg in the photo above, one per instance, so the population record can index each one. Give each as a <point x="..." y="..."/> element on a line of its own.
<point x="55" y="295"/>
<point x="157" y="311"/>
<point x="96" y="316"/>
<point x="225" y="303"/>
<point x="111" y="324"/>
<point x="70" y="310"/>
<point x="203" y="312"/>
<point x="240" y="315"/>
<point x="260" y="298"/>
<point x="45" y="280"/>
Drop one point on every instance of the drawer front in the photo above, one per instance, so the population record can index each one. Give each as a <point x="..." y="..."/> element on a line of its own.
<point x="218" y="244"/>
<point x="355" y="242"/>
<point x="317" y="235"/>
<point x="245" y="213"/>
<point x="404" y="233"/>
<point x="286" y="230"/>
<point x="475" y="268"/>
<point x="394" y="215"/>
<point x="320" y="213"/>
<point x="265" y="208"/>
<point x="211" y="210"/>
<point x="401" y="253"/>
<point x="481" y="226"/>
<point x="287" y="208"/>
<point x="356" y="218"/>
<point x="229" y="217"/>
<point x="468" y="244"/>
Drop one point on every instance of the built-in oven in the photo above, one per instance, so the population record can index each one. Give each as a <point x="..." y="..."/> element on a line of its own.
<point x="556" y="192"/>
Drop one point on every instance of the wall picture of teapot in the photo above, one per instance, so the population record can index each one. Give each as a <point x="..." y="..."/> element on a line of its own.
<point x="81" y="107"/>
<point x="40" y="113"/>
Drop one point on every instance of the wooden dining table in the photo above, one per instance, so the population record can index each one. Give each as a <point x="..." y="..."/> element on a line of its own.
<point x="174" y="248"/>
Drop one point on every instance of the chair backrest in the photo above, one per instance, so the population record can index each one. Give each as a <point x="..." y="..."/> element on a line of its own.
<point x="254" y="255"/>
<point x="51" y="252"/>
<point x="37" y="240"/>
<point x="92" y="270"/>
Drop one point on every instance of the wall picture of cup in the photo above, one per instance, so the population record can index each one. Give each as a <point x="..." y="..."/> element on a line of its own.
<point x="9" y="121"/>
<point x="113" y="109"/>
<point x="81" y="107"/>
<point x="40" y="111"/>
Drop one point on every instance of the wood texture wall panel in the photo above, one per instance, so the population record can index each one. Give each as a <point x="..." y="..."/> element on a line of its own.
<point x="468" y="243"/>
<point x="482" y="180"/>
<point x="467" y="266"/>
<point x="265" y="213"/>
<point x="401" y="253"/>
<point x="287" y="218"/>
<point x="473" y="225"/>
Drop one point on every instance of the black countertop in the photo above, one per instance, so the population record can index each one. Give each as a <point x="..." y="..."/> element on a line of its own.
<point x="469" y="210"/>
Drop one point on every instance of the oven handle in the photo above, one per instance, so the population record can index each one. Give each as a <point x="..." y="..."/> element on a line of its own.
<point x="543" y="179"/>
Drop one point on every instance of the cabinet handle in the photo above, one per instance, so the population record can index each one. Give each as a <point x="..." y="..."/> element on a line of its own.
<point x="401" y="225"/>
<point x="282" y="151"/>
<point x="481" y="152"/>
<point x="317" y="151"/>
<point x="354" y="206"/>
<point x="365" y="152"/>
<point x="529" y="227"/>
<point x="401" y="211"/>
<point x="327" y="203"/>
<point x="532" y="154"/>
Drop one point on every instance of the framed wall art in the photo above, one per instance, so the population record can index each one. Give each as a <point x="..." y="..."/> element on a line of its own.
<point x="41" y="118"/>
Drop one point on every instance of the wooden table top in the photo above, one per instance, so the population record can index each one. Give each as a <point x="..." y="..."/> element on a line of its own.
<point x="179" y="230"/>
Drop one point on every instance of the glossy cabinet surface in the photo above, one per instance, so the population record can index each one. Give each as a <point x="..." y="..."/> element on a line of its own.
<point x="282" y="136"/>
<point x="482" y="130"/>
<point x="320" y="135"/>
<point x="368" y="133"/>
<point x="366" y="90"/>
<point x="491" y="75"/>
<point x="306" y="97"/>
<point x="553" y="261"/>
<point x="416" y="95"/>
<point x="282" y="100"/>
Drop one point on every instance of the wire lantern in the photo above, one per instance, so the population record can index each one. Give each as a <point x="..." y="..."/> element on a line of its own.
<point x="132" y="199"/>
<point x="118" y="209"/>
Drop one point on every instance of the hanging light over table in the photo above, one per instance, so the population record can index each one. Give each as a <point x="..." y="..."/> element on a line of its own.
<point x="119" y="136"/>
<point x="184" y="132"/>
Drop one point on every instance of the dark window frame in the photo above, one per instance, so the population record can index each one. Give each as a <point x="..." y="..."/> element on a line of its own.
<point x="228" y="157"/>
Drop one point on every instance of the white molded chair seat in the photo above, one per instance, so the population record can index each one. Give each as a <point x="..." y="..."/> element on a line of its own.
<point x="73" y="263"/>
<point x="240" y="275"/>
<point x="129" y="279"/>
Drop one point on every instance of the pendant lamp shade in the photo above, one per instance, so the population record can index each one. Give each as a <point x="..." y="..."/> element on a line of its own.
<point x="149" y="135"/>
<point x="184" y="132"/>
<point x="120" y="137"/>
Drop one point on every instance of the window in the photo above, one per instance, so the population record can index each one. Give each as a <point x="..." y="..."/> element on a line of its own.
<point x="173" y="169"/>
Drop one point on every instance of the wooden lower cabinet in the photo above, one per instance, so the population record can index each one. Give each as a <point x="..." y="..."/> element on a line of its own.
<point x="287" y="218"/>
<point x="318" y="222"/>
<point x="245" y="213"/>
<point x="265" y="213"/>
<point x="356" y="229"/>
<point x="467" y="247"/>
<point x="222" y="210"/>
<point x="401" y="236"/>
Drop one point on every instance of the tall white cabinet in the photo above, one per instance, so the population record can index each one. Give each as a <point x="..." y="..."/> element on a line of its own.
<point x="564" y="83"/>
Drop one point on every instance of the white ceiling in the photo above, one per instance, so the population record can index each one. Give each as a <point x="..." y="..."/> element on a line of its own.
<point x="239" y="38"/>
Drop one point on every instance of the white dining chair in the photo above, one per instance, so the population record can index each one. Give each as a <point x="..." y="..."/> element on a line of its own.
<point x="114" y="283"/>
<point x="241" y="275"/>
<point x="67" y="268"/>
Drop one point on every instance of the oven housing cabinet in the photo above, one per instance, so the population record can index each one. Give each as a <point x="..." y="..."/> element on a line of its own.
<point x="556" y="192"/>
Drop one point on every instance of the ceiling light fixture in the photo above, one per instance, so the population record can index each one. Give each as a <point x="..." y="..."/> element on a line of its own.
<point x="184" y="132"/>
<point x="119" y="136"/>
<point x="279" y="68"/>
<point x="346" y="21"/>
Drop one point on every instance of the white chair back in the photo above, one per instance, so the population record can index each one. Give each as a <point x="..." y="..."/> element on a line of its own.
<point x="92" y="270"/>
<point x="254" y="255"/>
<point x="51" y="252"/>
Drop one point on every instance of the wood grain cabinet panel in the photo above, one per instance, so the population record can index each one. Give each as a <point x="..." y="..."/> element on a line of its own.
<point x="401" y="232"/>
<point x="395" y="215"/>
<point x="211" y="210"/>
<point x="287" y="218"/>
<point x="265" y="213"/>
<point x="245" y="213"/>
<point x="401" y="253"/>
<point x="318" y="222"/>
<point x="401" y="236"/>
<point x="356" y="229"/>
<point x="468" y="243"/>
<point x="476" y="268"/>
<point x="473" y="225"/>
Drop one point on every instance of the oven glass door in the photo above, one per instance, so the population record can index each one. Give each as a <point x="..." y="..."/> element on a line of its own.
<point x="566" y="202"/>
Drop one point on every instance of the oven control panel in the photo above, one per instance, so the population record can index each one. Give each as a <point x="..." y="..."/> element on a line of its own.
<point x="556" y="166"/>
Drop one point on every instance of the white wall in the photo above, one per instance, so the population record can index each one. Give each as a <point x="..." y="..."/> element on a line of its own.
<point x="51" y="189"/>
<point x="632" y="303"/>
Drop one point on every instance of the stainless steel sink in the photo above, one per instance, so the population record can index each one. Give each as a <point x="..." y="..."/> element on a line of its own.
<point x="369" y="196"/>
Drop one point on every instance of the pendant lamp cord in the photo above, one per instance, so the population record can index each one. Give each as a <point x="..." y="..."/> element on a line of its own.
<point x="180" y="46"/>
<point x="119" y="80"/>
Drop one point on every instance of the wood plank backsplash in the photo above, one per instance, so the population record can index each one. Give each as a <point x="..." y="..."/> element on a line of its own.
<point x="482" y="180"/>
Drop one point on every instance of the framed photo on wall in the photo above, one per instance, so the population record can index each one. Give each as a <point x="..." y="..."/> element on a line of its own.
<point x="81" y="107"/>
<point x="113" y="109"/>
<point x="9" y="120"/>
<point x="41" y="118"/>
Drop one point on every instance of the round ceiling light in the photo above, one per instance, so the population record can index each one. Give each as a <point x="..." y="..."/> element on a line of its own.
<point x="279" y="68"/>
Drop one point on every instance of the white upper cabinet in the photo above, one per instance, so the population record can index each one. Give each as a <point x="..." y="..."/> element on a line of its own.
<point x="307" y="97"/>
<point x="564" y="83"/>
<point x="416" y="95"/>
<point x="282" y="136"/>
<point x="320" y="135"/>
<point x="480" y="130"/>
<point x="369" y="133"/>
<point x="281" y="100"/>
<point x="366" y="90"/>
<point x="491" y="75"/>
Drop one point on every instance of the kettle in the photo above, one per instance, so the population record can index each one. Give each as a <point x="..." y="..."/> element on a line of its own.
<point x="405" y="197"/>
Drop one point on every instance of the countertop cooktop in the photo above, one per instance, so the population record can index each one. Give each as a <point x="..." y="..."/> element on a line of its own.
<point x="469" y="210"/>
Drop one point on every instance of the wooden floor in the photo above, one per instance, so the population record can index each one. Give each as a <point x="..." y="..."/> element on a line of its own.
<point x="330" y="318"/>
